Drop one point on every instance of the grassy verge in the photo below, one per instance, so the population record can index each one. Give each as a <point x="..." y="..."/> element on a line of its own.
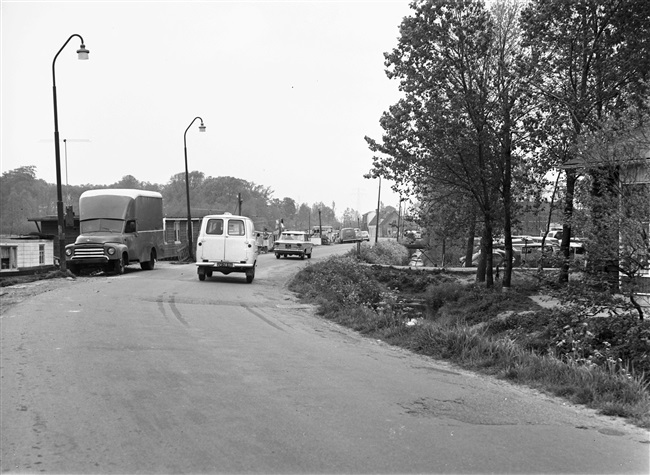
<point x="27" y="278"/>
<point x="598" y="362"/>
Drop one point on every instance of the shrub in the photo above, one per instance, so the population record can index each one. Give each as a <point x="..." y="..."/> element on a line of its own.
<point x="338" y="282"/>
<point x="383" y="252"/>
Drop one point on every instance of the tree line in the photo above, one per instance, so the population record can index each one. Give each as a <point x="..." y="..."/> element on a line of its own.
<point x="24" y="196"/>
<point x="520" y="101"/>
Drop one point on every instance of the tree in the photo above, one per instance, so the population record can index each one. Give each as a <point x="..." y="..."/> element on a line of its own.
<point x="22" y="196"/>
<point x="439" y="134"/>
<point x="592" y="62"/>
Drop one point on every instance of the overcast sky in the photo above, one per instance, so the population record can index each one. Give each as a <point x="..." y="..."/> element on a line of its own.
<point x="287" y="91"/>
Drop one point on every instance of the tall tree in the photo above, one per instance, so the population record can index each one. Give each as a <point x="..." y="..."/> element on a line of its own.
<point x="440" y="131"/>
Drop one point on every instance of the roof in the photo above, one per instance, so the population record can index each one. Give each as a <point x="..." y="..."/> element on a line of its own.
<point x="223" y="216"/>
<point x="631" y="149"/>
<point x="122" y="192"/>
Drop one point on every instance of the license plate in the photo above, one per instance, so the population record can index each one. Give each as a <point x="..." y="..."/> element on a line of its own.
<point x="224" y="264"/>
<point x="287" y="246"/>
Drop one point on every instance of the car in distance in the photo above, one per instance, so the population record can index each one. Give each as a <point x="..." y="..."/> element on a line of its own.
<point x="348" y="235"/>
<point x="293" y="243"/>
<point x="364" y="235"/>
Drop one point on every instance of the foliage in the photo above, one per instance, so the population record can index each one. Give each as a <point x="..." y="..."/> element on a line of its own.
<point x="23" y="196"/>
<point x="458" y="131"/>
<point x="383" y="252"/>
<point x="592" y="62"/>
<point x="338" y="283"/>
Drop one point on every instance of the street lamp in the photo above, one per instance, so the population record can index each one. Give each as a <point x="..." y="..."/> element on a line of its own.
<point x="377" y="217"/>
<point x="187" y="188"/>
<point x="82" y="52"/>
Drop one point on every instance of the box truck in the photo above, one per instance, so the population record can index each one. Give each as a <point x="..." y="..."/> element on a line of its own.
<point x="117" y="227"/>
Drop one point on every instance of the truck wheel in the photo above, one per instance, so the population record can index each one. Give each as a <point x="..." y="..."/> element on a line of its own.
<point x="119" y="266"/>
<point x="309" y="255"/>
<point x="201" y="273"/>
<point x="302" y="256"/>
<point x="149" y="265"/>
<point x="250" y="275"/>
<point x="277" y="255"/>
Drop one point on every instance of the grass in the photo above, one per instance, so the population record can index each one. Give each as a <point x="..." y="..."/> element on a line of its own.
<point x="599" y="363"/>
<point x="24" y="279"/>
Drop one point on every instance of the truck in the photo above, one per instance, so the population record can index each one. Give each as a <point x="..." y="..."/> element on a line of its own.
<point x="117" y="227"/>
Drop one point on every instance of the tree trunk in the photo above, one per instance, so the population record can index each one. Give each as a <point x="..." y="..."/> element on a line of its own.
<point x="571" y="178"/>
<point x="471" y="232"/>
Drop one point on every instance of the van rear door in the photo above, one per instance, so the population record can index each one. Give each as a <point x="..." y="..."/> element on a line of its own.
<point x="214" y="245"/>
<point x="236" y="241"/>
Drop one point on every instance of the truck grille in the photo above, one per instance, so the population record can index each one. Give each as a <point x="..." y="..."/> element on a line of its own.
<point x="88" y="252"/>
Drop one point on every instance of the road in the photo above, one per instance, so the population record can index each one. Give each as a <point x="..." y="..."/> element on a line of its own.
<point x="157" y="372"/>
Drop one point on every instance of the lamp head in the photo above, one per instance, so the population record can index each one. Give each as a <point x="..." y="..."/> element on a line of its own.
<point x="83" y="52"/>
<point x="201" y="127"/>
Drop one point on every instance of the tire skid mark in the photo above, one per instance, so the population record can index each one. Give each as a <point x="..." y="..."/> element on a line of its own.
<point x="161" y="306"/>
<point x="176" y="312"/>
<point x="262" y="317"/>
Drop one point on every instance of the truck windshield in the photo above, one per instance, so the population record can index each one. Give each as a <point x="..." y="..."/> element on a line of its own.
<point x="102" y="225"/>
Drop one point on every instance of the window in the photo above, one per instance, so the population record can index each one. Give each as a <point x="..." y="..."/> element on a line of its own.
<point x="215" y="227"/>
<point x="236" y="228"/>
<point x="8" y="258"/>
<point x="41" y="254"/>
<point x="177" y="231"/>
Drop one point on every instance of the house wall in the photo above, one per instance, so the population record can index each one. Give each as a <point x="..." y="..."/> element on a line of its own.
<point x="175" y="237"/>
<point x="26" y="253"/>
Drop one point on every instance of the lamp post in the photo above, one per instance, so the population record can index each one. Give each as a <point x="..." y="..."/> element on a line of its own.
<point x="187" y="188"/>
<point x="377" y="217"/>
<point x="82" y="52"/>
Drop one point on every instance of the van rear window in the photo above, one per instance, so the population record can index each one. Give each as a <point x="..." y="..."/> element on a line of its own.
<point x="236" y="228"/>
<point x="215" y="226"/>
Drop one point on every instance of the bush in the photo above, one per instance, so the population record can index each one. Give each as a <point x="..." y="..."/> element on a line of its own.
<point x="336" y="283"/>
<point x="383" y="252"/>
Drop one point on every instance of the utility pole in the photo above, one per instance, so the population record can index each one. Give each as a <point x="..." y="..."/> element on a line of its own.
<point x="377" y="217"/>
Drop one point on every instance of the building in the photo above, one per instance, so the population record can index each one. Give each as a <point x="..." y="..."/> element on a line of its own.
<point x="25" y="253"/>
<point x="627" y="161"/>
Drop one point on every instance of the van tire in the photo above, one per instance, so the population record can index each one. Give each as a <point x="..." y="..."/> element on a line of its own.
<point x="149" y="265"/>
<point x="201" y="273"/>
<point x="302" y="256"/>
<point x="277" y="255"/>
<point x="250" y="275"/>
<point x="309" y="256"/>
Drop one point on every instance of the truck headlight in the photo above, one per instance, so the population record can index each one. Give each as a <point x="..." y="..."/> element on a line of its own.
<point x="68" y="252"/>
<point x="110" y="251"/>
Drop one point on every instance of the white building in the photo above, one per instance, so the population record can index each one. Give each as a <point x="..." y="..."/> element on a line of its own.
<point x="25" y="253"/>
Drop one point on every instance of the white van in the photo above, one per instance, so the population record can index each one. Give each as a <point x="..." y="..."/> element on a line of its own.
<point x="226" y="243"/>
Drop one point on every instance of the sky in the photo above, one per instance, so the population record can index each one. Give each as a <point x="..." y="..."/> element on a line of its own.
<point x="287" y="91"/>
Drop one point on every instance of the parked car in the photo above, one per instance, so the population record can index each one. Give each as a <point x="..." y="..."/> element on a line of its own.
<point x="348" y="235"/>
<point x="293" y="243"/>
<point x="498" y="255"/>
<point x="364" y="236"/>
<point x="226" y="243"/>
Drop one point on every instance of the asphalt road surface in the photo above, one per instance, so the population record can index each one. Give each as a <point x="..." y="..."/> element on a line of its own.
<point x="157" y="372"/>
